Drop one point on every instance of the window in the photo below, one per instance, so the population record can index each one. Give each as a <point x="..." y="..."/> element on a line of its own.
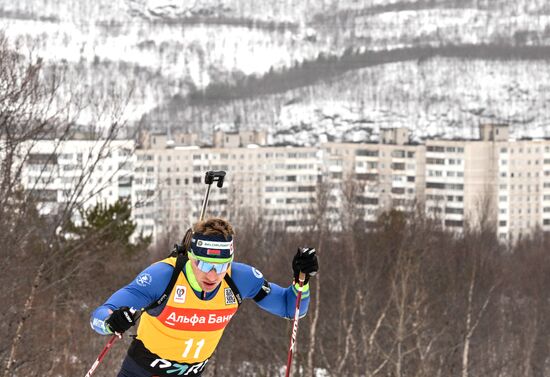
<point x="454" y="211"/>
<point x="435" y="161"/>
<point x="366" y="152"/>
<point x="366" y="176"/>
<point x="455" y="186"/>
<point x="368" y="201"/>
<point x="435" y="185"/>
<point x="453" y="223"/>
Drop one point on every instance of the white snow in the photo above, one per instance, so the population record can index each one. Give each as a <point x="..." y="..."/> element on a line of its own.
<point x="123" y="46"/>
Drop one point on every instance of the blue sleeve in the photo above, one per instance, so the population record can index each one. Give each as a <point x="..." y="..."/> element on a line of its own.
<point x="147" y="287"/>
<point x="279" y="301"/>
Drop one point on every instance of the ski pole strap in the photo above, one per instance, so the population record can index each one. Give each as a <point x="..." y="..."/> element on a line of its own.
<point x="180" y="262"/>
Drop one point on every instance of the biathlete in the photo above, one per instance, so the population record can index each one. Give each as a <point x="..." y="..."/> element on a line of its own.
<point x="177" y="337"/>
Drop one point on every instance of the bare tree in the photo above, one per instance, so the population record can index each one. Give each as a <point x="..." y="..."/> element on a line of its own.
<point x="30" y="112"/>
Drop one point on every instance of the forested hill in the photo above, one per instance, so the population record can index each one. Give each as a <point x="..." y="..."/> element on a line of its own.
<point x="442" y="91"/>
<point x="324" y="67"/>
<point x="241" y="61"/>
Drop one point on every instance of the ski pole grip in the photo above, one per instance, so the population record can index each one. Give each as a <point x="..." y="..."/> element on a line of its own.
<point x="302" y="278"/>
<point x="212" y="176"/>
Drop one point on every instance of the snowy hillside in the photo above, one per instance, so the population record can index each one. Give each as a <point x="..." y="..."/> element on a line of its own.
<point x="441" y="96"/>
<point x="163" y="52"/>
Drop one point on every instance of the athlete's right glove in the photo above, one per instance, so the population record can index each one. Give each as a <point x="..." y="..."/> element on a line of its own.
<point x="121" y="320"/>
<point x="305" y="261"/>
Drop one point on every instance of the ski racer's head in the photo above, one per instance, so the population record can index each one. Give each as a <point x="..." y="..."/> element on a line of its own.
<point x="211" y="252"/>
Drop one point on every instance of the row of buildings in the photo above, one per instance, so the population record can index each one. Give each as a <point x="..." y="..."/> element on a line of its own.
<point x="493" y="178"/>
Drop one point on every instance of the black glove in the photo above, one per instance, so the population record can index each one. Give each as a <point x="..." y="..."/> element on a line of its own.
<point x="121" y="320"/>
<point x="305" y="261"/>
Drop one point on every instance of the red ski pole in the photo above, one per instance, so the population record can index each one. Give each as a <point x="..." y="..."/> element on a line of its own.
<point x="102" y="355"/>
<point x="301" y="279"/>
<point x="109" y="345"/>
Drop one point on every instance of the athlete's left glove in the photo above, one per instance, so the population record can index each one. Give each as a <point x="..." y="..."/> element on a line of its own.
<point x="121" y="320"/>
<point x="305" y="261"/>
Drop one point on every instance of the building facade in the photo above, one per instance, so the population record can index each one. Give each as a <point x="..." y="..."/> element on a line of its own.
<point x="78" y="171"/>
<point x="492" y="181"/>
<point x="375" y="177"/>
<point x="275" y="184"/>
<point x="463" y="183"/>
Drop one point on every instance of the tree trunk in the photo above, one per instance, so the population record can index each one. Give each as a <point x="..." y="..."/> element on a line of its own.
<point x="310" y="368"/>
<point x="26" y="313"/>
<point x="468" y="330"/>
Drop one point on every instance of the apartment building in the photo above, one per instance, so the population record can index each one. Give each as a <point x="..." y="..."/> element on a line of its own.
<point x="377" y="176"/>
<point x="505" y="183"/>
<point x="85" y="171"/>
<point x="276" y="184"/>
<point x="493" y="180"/>
<point x="462" y="178"/>
<point x="523" y="187"/>
<point x="501" y="182"/>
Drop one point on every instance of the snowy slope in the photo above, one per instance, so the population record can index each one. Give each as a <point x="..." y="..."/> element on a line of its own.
<point x="440" y="96"/>
<point x="159" y="50"/>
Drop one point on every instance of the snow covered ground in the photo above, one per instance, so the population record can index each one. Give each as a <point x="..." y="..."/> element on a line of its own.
<point x="440" y="96"/>
<point x="151" y="51"/>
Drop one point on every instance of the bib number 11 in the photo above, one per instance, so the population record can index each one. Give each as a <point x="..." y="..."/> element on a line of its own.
<point x="189" y="346"/>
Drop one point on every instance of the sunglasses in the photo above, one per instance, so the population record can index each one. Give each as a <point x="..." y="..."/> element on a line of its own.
<point x="206" y="267"/>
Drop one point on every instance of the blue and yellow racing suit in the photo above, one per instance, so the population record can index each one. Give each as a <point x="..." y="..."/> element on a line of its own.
<point x="178" y="338"/>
